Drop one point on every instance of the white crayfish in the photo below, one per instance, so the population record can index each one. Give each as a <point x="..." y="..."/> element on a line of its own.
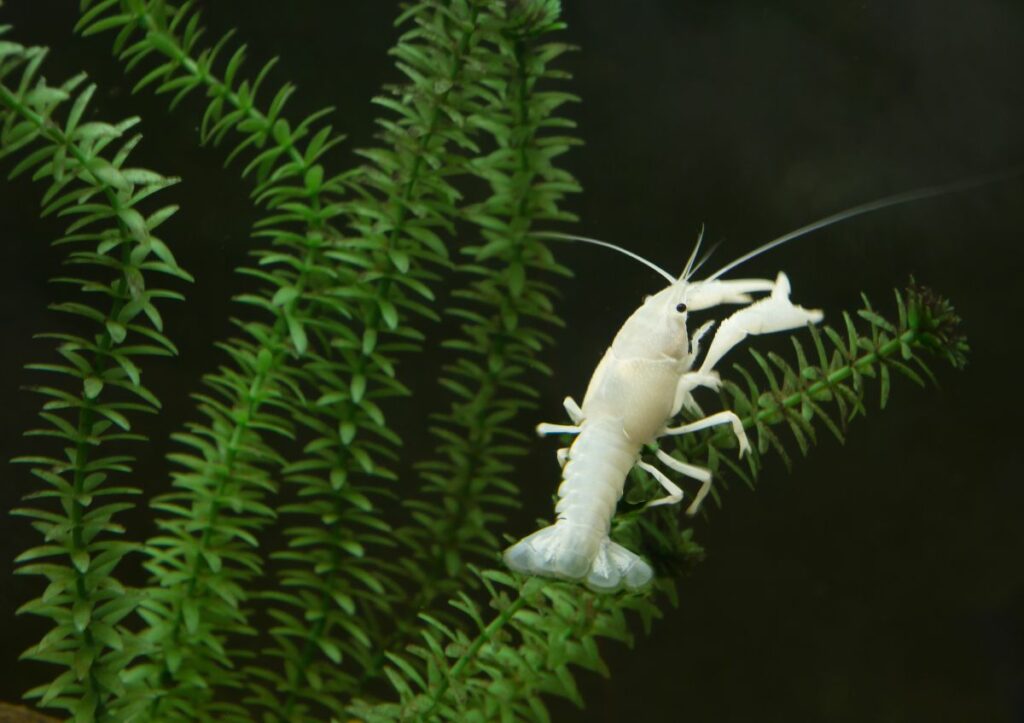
<point x="643" y="381"/>
<point x="645" y="378"/>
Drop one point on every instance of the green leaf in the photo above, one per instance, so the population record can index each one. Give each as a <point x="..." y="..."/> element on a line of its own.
<point x="264" y="360"/>
<point x="332" y="651"/>
<point x="388" y="313"/>
<point x="358" y="387"/>
<point x="314" y="178"/>
<point x="118" y="332"/>
<point x="81" y="614"/>
<point x="135" y="223"/>
<point x="93" y="386"/>
<point x="190" y="612"/>
<point x="285" y="295"/>
<point x="80" y="559"/>
<point x="297" y="333"/>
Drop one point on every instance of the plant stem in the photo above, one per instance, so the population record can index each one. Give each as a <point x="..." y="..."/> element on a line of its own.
<point x="172" y="49"/>
<point x="485" y="635"/>
<point x="56" y="136"/>
<point x="908" y="337"/>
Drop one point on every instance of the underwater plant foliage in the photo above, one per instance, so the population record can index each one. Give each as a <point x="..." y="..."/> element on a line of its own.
<point x="299" y="565"/>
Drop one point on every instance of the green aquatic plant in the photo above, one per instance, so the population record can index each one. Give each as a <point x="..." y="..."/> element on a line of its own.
<point x="284" y="582"/>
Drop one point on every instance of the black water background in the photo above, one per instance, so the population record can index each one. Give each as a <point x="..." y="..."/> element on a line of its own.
<point x="883" y="579"/>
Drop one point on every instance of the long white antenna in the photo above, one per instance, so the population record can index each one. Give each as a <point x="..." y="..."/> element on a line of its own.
<point x="876" y="205"/>
<point x="693" y="255"/>
<point x="584" y="239"/>
<point x="703" y="260"/>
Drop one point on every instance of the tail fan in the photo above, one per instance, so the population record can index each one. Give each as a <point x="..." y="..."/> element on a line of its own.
<point x="569" y="552"/>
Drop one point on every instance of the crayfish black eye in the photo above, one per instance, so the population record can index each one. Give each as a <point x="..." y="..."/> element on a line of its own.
<point x="681" y="308"/>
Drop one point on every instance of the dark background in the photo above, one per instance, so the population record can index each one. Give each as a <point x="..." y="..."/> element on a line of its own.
<point x="882" y="580"/>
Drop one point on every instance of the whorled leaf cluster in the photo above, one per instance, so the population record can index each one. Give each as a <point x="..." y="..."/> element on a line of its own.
<point x="349" y="267"/>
